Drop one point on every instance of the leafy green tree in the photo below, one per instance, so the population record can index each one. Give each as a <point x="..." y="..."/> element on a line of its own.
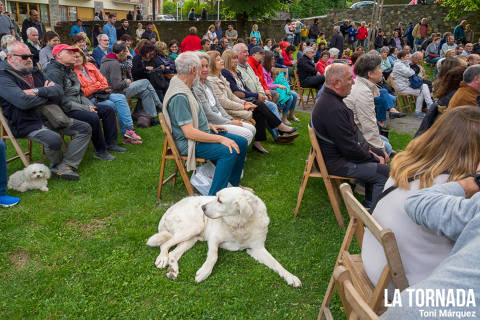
<point x="310" y="8"/>
<point x="169" y="7"/>
<point x="459" y="7"/>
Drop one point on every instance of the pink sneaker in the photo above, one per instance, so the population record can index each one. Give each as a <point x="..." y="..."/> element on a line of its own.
<point x="132" y="135"/>
<point x="131" y="141"/>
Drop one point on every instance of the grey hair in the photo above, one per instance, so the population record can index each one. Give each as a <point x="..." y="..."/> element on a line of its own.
<point x="308" y="49"/>
<point x="12" y="45"/>
<point x="203" y="55"/>
<point x="186" y="61"/>
<point x="374" y="52"/>
<point x="237" y="47"/>
<point x="471" y="73"/>
<point x="337" y="28"/>
<point x="365" y="64"/>
<point x="335" y="71"/>
<point x="417" y="54"/>
<point x="99" y="37"/>
<point x="6" y="39"/>
<point x="30" y="30"/>
<point x="333" y="52"/>
<point x="385" y="49"/>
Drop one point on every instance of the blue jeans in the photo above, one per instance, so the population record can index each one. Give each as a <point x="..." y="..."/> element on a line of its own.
<point x="228" y="166"/>
<point x="383" y="103"/>
<point x="119" y="103"/>
<point x="273" y="107"/>
<point x="290" y="104"/>
<point x="418" y="44"/>
<point x="388" y="146"/>
<point x="363" y="43"/>
<point x="3" y="169"/>
<point x="432" y="60"/>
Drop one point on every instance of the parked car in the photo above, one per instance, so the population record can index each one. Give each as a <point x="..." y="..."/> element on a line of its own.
<point x="165" y="17"/>
<point x="362" y="4"/>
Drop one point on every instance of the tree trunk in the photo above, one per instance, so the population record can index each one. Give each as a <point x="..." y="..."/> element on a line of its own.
<point x="242" y="21"/>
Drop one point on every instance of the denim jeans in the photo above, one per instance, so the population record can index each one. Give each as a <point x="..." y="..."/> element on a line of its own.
<point x="119" y="103"/>
<point x="3" y="168"/>
<point x="432" y="60"/>
<point x="273" y="107"/>
<point x="418" y="44"/>
<point x="229" y="165"/>
<point x="363" y="43"/>
<point x="388" y="146"/>
<point x="143" y="89"/>
<point x="290" y="104"/>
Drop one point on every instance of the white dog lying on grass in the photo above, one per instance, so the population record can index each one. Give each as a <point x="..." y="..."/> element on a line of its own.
<point x="235" y="219"/>
<point x="35" y="176"/>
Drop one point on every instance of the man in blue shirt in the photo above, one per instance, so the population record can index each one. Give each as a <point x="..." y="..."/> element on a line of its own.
<point x="76" y="29"/>
<point x="110" y="31"/>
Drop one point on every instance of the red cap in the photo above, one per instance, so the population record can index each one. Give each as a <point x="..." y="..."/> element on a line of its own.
<point x="59" y="47"/>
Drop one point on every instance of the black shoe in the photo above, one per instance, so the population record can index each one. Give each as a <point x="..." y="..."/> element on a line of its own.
<point x="394" y="115"/>
<point x="155" y="122"/>
<point x="104" y="155"/>
<point x="258" y="150"/>
<point x="288" y="132"/>
<point x="116" y="148"/>
<point x="65" y="172"/>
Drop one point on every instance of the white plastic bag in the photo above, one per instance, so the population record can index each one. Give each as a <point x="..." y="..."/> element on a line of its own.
<point x="202" y="178"/>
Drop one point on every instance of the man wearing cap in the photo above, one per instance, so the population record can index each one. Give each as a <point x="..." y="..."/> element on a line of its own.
<point x="25" y="92"/>
<point x="77" y="106"/>
<point x="257" y="54"/>
<point x="109" y="29"/>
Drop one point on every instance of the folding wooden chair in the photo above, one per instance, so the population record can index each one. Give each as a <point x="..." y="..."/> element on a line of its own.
<point x="6" y="133"/>
<point x="393" y="271"/>
<point x="170" y="151"/>
<point x="405" y="102"/>
<point x="352" y="300"/>
<point x="332" y="182"/>
<point x="298" y="88"/>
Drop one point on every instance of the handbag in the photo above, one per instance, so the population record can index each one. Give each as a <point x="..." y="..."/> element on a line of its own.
<point x="415" y="81"/>
<point x="101" y="95"/>
<point x="55" y="116"/>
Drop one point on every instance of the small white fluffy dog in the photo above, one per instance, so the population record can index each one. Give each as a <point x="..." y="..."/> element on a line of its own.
<point x="235" y="220"/>
<point x="35" y="176"/>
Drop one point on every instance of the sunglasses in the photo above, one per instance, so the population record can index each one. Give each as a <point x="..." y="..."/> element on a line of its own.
<point x="24" y="56"/>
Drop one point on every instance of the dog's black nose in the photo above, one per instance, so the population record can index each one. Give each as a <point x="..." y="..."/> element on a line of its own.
<point x="204" y="207"/>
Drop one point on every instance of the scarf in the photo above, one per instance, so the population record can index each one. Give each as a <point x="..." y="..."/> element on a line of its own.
<point x="177" y="86"/>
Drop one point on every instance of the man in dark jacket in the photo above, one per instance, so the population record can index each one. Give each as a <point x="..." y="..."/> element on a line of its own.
<point x="345" y="150"/>
<point x="380" y="40"/>
<point x="124" y="29"/>
<point x="77" y="106"/>
<point x="120" y="80"/>
<point x="337" y="40"/>
<point x="25" y="92"/>
<point x="149" y="33"/>
<point x="33" y="21"/>
<point x="309" y="76"/>
<point x="314" y="31"/>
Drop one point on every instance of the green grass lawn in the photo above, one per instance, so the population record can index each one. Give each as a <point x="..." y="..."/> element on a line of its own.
<point x="78" y="251"/>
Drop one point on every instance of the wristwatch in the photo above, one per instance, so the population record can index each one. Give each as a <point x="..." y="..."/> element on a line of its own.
<point x="35" y="90"/>
<point x="476" y="178"/>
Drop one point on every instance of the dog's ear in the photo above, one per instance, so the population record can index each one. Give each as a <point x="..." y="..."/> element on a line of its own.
<point x="48" y="173"/>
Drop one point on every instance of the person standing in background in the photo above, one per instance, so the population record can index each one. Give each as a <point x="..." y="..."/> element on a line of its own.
<point x="110" y="31"/>
<point x="33" y="21"/>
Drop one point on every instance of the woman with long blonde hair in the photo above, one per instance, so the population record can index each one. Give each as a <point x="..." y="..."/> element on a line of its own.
<point x="448" y="151"/>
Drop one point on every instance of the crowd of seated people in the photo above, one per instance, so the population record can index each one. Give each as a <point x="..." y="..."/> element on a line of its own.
<point x="219" y="101"/>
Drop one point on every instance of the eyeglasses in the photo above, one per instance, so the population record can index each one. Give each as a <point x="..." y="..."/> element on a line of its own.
<point x="24" y="56"/>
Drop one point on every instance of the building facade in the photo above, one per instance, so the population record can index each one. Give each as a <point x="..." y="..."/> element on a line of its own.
<point x="53" y="11"/>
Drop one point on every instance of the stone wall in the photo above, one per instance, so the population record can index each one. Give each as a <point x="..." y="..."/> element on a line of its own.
<point x="391" y="15"/>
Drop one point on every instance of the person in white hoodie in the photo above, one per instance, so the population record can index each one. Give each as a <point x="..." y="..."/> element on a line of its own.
<point x="401" y="77"/>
